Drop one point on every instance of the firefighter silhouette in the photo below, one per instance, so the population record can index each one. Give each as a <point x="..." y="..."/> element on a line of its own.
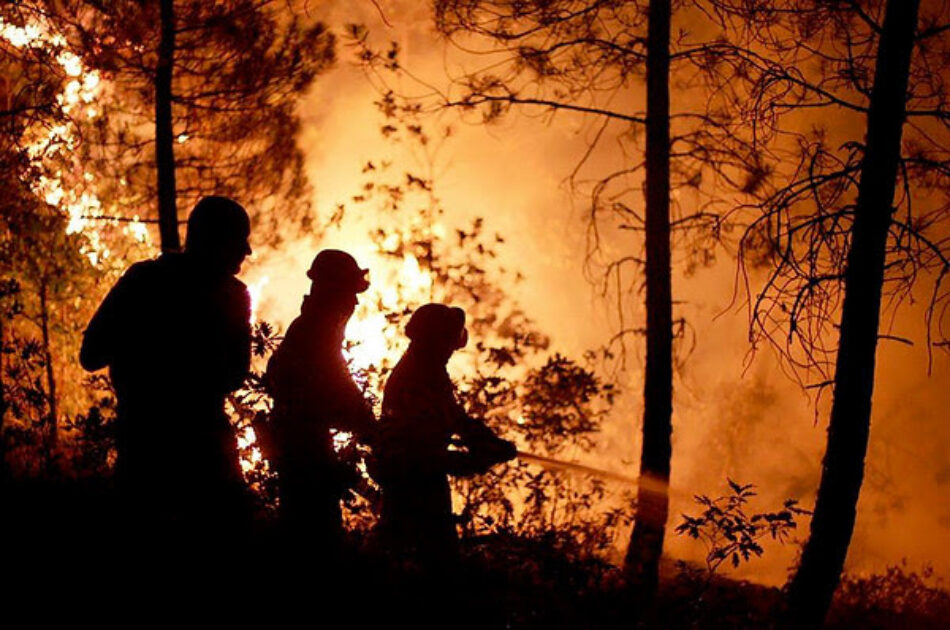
<point x="421" y="420"/>
<point x="175" y="335"/>
<point x="313" y="393"/>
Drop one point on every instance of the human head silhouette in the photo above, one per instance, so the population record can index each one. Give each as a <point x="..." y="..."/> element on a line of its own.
<point x="335" y="271"/>
<point x="437" y="329"/>
<point x="218" y="232"/>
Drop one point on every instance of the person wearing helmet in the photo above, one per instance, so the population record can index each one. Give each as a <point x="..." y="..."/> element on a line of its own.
<point x="313" y="393"/>
<point x="421" y="419"/>
<point x="175" y="335"/>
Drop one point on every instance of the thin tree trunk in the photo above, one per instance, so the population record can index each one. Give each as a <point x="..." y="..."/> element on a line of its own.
<point x="646" y="542"/>
<point x="3" y="403"/>
<point x="164" y="133"/>
<point x="823" y="558"/>
<point x="52" y="436"/>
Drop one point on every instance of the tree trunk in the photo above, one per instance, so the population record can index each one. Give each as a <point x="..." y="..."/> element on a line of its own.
<point x="646" y="542"/>
<point x="3" y="403"/>
<point x="164" y="133"/>
<point x="823" y="558"/>
<point x="52" y="436"/>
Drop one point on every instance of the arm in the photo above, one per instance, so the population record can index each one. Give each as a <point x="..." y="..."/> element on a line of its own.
<point x="353" y="412"/>
<point x="483" y="449"/>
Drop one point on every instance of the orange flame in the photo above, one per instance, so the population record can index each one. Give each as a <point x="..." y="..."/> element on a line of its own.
<point x="83" y="208"/>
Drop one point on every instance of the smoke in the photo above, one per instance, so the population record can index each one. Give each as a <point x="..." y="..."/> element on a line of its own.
<point x="733" y="417"/>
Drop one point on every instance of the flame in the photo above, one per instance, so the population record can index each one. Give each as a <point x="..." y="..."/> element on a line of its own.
<point x="82" y="208"/>
<point x="375" y="341"/>
<point x="341" y="439"/>
<point x="20" y="36"/>
<point x="256" y="291"/>
<point x="250" y="453"/>
<point x="246" y="438"/>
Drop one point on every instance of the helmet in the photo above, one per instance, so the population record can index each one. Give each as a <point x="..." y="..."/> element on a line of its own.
<point x="438" y="324"/>
<point x="337" y="269"/>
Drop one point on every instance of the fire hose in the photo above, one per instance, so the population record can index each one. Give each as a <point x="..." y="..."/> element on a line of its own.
<point x="650" y="484"/>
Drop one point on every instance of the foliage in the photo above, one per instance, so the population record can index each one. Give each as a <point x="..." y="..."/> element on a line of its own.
<point x="584" y="61"/>
<point x="58" y="269"/>
<point x="94" y="451"/>
<point x="47" y="314"/>
<point x="546" y="401"/>
<point x="897" y="598"/>
<point x="850" y="224"/>
<point x="509" y="377"/>
<point x="23" y="394"/>
<point x="26" y="411"/>
<point x="798" y="58"/>
<point x="238" y="69"/>
<point x="730" y="533"/>
<point x="249" y="408"/>
<point x="74" y="129"/>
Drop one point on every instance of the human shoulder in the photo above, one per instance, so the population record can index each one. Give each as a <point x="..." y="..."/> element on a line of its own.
<point x="139" y="275"/>
<point x="235" y="285"/>
<point x="144" y="267"/>
<point x="167" y="264"/>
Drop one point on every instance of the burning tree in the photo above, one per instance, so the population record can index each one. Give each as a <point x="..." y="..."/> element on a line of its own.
<point x="202" y="100"/>
<point x="101" y="107"/>
<point x="47" y="262"/>
<point x="850" y="216"/>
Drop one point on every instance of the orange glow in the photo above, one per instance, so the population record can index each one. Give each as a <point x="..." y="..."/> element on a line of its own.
<point x="376" y="341"/>
<point x="50" y="146"/>
<point x="251" y="456"/>
<point x="732" y="417"/>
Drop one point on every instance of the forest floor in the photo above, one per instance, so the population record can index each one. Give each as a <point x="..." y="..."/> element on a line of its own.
<point x="66" y="544"/>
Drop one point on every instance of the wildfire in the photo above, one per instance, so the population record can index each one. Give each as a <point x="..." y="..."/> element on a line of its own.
<point x="374" y="339"/>
<point x="247" y="443"/>
<point x="46" y="143"/>
<point x="371" y="341"/>
<point x="341" y="439"/>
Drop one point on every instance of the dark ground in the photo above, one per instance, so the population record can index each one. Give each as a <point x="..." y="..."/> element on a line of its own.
<point x="66" y="554"/>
